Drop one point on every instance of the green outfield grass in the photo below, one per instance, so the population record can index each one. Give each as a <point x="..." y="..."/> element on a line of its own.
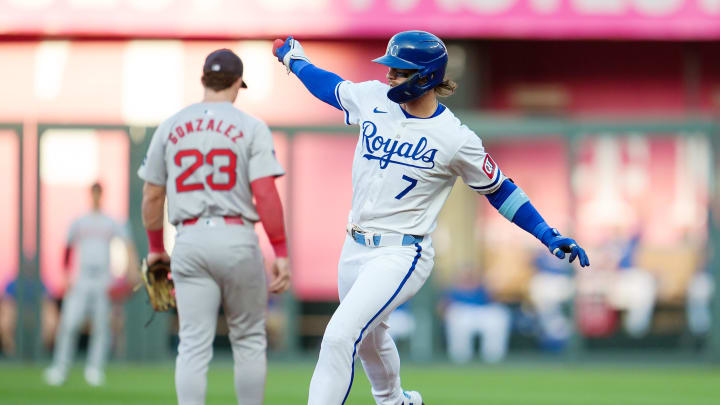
<point x="440" y="384"/>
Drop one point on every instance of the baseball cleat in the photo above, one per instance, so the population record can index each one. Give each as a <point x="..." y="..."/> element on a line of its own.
<point x="54" y="377"/>
<point x="412" y="398"/>
<point x="94" y="377"/>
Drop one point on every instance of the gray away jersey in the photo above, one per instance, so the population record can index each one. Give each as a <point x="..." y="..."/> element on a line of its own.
<point x="404" y="168"/>
<point x="90" y="235"/>
<point x="206" y="156"/>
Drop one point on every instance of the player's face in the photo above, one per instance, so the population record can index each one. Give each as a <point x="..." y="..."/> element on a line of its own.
<point x="96" y="194"/>
<point x="398" y="76"/>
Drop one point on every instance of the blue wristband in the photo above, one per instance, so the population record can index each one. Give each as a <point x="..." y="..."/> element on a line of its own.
<point x="297" y="65"/>
<point x="514" y="205"/>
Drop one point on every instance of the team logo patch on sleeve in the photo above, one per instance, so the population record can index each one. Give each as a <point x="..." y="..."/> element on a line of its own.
<point x="489" y="166"/>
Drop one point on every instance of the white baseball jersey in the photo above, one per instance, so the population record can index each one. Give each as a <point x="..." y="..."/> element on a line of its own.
<point x="91" y="235"/>
<point x="404" y="168"/>
<point x="206" y="156"/>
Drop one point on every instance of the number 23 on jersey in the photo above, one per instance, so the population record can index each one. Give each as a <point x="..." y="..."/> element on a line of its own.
<point x="197" y="159"/>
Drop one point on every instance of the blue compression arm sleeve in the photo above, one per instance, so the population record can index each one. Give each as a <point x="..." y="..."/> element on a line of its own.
<point x="514" y="204"/>
<point x="321" y="83"/>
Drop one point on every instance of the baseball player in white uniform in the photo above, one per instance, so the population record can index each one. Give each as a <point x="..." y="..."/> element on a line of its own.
<point x="90" y="236"/>
<point x="410" y="150"/>
<point x="210" y="160"/>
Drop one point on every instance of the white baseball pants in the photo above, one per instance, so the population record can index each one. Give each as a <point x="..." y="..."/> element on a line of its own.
<point x="372" y="282"/>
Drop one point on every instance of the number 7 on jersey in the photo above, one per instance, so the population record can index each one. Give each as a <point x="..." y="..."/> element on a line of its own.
<point x="413" y="183"/>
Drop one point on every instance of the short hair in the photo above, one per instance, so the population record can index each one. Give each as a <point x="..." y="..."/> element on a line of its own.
<point x="218" y="81"/>
<point x="96" y="187"/>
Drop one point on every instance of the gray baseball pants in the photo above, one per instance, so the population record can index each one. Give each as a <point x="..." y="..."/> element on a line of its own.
<point x="85" y="298"/>
<point x="216" y="264"/>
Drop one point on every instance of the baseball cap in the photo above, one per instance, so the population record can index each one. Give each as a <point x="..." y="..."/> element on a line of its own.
<point x="224" y="60"/>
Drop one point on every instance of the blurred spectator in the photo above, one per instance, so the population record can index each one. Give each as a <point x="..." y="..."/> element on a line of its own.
<point x="8" y="319"/>
<point x="49" y="313"/>
<point x="401" y="322"/>
<point x="91" y="292"/>
<point x="701" y="289"/>
<point x="470" y="312"/>
<point x="634" y="290"/>
<point x="276" y="323"/>
<point x="551" y="289"/>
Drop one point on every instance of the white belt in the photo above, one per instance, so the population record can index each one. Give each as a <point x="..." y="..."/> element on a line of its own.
<point x="371" y="239"/>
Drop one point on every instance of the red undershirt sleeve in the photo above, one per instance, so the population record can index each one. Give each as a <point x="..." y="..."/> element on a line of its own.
<point x="269" y="208"/>
<point x="67" y="257"/>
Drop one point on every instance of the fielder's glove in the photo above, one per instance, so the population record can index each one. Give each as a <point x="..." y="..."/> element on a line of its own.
<point x="159" y="285"/>
<point x="289" y="50"/>
<point x="560" y="245"/>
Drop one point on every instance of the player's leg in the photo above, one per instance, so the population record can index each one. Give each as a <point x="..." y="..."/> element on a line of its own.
<point x="240" y="271"/>
<point x="198" y="299"/>
<point x="72" y="316"/>
<point x="381" y="362"/>
<point x="99" y="337"/>
<point x="378" y="353"/>
<point x="387" y="277"/>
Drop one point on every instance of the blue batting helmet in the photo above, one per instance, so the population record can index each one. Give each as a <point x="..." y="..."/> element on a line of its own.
<point x="417" y="50"/>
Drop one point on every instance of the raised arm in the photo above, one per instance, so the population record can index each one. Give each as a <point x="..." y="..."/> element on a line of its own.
<point x="319" y="82"/>
<point x="514" y="204"/>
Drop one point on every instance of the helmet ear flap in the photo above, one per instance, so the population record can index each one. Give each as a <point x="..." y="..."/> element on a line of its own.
<point x="415" y="86"/>
<point x="407" y="91"/>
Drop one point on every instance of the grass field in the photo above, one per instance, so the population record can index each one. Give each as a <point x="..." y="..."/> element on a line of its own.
<point x="440" y="384"/>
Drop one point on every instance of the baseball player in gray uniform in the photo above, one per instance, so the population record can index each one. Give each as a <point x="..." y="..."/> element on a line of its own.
<point x="410" y="150"/>
<point x="210" y="160"/>
<point x="90" y="236"/>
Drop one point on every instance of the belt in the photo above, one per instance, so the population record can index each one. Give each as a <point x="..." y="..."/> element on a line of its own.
<point x="228" y="220"/>
<point x="379" y="239"/>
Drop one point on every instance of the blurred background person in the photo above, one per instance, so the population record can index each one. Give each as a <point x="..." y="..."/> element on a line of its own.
<point x="402" y="322"/>
<point x="120" y="290"/>
<point x="49" y="313"/>
<point x="634" y="290"/>
<point x="276" y="323"/>
<point x="625" y="118"/>
<point x="471" y="313"/>
<point x="88" y="294"/>
<point x="8" y="319"/>
<point x="550" y="292"/>
<point x="698" y="302"/>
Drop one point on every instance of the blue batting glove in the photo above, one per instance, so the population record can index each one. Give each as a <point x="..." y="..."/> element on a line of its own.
<point x="289" y="51"/>
<point x="281" y="48"/>
<point x="560" y="245"/>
